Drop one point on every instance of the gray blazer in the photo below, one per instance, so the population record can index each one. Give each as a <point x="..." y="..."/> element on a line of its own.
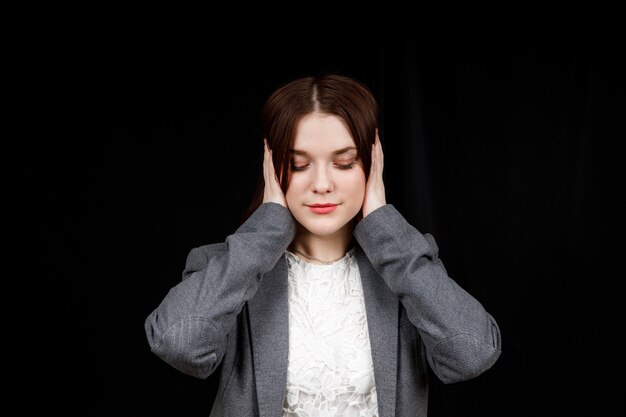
<point x="231" y="309"/>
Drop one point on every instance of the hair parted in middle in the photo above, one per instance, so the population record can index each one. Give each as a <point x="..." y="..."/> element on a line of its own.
<point x="332" y="94"/>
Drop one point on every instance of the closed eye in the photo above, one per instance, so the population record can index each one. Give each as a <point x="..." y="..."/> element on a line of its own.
<point x="339" y="166"/>
<point x="346" y="166"/>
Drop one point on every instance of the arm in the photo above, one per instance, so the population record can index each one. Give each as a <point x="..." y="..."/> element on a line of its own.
<point x="461" y="339"/>
<point x="188" y="329"/>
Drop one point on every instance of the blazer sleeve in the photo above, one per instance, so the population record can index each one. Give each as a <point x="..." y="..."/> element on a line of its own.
<point x="189" y="328"/>
<point x="461" y="339"/>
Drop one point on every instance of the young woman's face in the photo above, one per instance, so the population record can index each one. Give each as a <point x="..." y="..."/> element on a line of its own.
<point x="319" y="175"/>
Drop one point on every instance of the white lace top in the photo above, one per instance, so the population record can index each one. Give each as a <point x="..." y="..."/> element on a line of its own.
<point x="330" y="370"/>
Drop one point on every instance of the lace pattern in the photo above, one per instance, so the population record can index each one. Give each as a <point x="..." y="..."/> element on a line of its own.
<point x="330" y="371"/>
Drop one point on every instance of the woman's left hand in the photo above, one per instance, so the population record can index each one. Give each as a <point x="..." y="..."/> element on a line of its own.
<point x="375" y="187"/>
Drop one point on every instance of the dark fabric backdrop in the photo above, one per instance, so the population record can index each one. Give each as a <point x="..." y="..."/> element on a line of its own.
<point x="509" y="153"/>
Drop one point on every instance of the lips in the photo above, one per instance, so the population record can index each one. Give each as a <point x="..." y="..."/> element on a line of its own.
<point x="322" y="208"/>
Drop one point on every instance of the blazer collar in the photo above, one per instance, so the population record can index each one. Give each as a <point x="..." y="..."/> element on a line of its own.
<point x="269" y="323"/>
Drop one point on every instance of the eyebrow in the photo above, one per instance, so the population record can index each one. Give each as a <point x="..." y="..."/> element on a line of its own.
<point x="337" y="152"/>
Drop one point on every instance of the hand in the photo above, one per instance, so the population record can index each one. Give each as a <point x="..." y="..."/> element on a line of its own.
<point x="272" y="192"/>
<point x="375" y="188"/>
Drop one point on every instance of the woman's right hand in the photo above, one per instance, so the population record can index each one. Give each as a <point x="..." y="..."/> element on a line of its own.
<point x="273" y="192"/>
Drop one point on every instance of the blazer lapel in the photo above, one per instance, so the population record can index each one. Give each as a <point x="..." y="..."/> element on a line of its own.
<point x="269" y="325"/>
<point x="381" y="306"/>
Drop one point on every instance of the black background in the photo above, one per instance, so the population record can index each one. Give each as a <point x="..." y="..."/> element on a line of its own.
<point x="509" y="152"/>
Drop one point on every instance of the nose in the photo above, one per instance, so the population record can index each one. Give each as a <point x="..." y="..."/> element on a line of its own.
<point x="321" y="181"/>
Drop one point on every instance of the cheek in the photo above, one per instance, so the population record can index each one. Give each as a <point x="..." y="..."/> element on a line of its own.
<point x="355" y="184"/>
<point x="295" y="187"/>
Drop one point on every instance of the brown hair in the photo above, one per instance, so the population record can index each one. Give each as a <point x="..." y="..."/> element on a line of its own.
<point x="338" y="95"/>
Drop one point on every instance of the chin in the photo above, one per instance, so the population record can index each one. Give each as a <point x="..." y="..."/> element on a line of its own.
<point x="322" y="230"/>
<point x="323" y="226"/>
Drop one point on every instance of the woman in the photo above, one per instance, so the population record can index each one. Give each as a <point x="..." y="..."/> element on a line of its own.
<point x="325" y="300"/>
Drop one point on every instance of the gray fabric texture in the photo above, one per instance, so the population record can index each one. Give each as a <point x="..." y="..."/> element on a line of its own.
<point x="230" y="311"/>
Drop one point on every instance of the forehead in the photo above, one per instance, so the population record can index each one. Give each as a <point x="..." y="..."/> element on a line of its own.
<point x="322" y="134"/>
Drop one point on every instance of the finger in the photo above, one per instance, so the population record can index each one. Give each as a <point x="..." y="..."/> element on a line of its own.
<point x="379" y="152"/>
<point x="373" y="167"/>
<point x="266" y="161"/>
<point x="274" y="170"/>
<point x="378" y="159"/>
<point x="271" y="171"/>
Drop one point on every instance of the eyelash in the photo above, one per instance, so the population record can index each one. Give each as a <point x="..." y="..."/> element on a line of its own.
<point x="349" y="166"/>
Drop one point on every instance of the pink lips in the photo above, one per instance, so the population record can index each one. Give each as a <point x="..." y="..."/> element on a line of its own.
<point x="323" y="208"/>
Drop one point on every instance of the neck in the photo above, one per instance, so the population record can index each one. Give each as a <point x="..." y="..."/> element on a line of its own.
<point x="322" y="248"/>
